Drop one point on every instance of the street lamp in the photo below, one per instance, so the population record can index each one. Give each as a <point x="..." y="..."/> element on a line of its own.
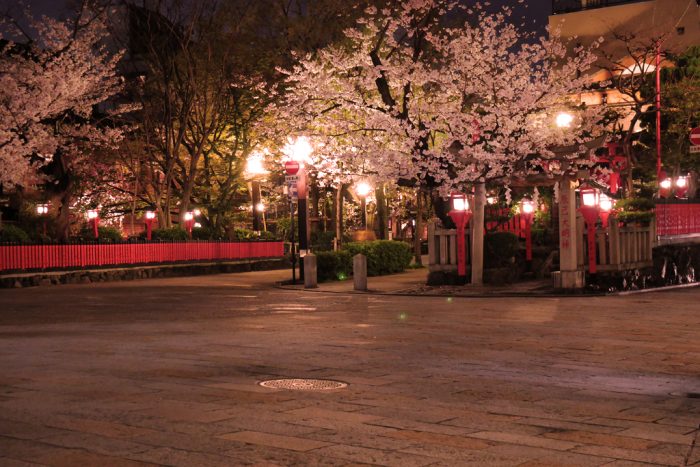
<point x="564" y="120"/>
<point x="527" y="211"/>
<point x="42" y="210"/>
<point x="189" y="222"/>
<point x="255" y="170"/>
<point x="363" y="189"/>
<point x="299" y="150"/>
<point x="606" y="206"/>
<point x="149" y="217"/>
<point x="94" y="218"/>
<point x="460" y="215"/>
<point x="681" y="186"/>
<point x="665" y="186"/>
<point x="590" y="209"/>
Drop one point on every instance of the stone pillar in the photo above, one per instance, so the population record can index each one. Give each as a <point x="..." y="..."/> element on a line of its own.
<point x="478" y="234"/>
<point x="359" y="272"/>
<point x="310" y="271"/>
<point x="569" y="277"/>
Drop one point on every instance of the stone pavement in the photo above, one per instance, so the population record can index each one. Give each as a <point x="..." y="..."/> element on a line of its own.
<point x="165" y="372"/>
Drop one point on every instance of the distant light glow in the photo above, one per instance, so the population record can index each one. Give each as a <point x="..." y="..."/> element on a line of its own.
<point x="564" y="120"/>
<point x="666" y="184"/>
<point x="255" y="165"/>
<point x="299" y="149"/>
<point x="92" y="214"/>
<point x="528" y="207"/>
<point x="605" y="203"/>
<point x="150" y="215"/>
<point x="260" y="207"/>
<point x="363" y="189"/>
<point x="682" y="182"/>
<point x="588" y="198"/>
<point x="188" y="216"/>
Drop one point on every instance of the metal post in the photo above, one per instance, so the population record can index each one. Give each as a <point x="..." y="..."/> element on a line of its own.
<point x="658" y="111"/>
<point x="293" y="252"/>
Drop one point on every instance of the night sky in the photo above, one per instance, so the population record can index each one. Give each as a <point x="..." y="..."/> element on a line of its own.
<point x="534" y="12"/>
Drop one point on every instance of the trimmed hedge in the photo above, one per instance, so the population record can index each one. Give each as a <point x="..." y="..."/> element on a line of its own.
<point x="333" y="265"/>
<point x="383" y="256"/>
<point x="13" y="234"/>
<point x="499" y="249"/>
<point x="173" y="234"/>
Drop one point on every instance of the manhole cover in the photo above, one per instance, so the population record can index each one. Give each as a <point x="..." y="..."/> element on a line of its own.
<point x="295" y="384"/>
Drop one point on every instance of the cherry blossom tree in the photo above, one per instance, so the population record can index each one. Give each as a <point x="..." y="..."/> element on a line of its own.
<point x="50" y="83"/>
<point x="436" y="95"/>
<point x="53" y="79"/>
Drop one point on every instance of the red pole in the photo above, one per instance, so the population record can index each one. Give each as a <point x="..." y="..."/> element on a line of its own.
<point x="95" y="230"/>
<point x="591" y="248"/>
<point x="461" y="250"/>
<point x="528" y="240"/>
<point x="149" y="229"/>
<point x="658" y="111"/>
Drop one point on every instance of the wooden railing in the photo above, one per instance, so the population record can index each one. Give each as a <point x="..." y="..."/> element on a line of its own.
<point x="40" y="257"/>
<point x="442" y="248"/>
<point x="618" y="248"/>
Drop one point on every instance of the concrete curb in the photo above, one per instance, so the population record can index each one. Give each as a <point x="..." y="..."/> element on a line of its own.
<point x="86" y="276"/>
<point x="443" y="296"/>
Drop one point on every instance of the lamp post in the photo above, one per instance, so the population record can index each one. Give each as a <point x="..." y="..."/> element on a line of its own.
<point x="149" y="217"/>
<point x="260" y="211"/>
<point x="363" y="189"/>
<point x="255" y="170"/>
<point x="460" y="215"/>
<point x="189" y="223"/>
<point x="590" y="209"/>
<point x="299" y="150"/>
<point x="42" y="210"/>
<point x="527" y="211"/>
<point x="94" y="218"/>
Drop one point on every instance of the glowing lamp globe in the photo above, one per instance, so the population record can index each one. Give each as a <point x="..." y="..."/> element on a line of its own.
<point x="260" y="207"/>
<point x="150" y="215"/>
<point x="92" y="214"/>
<point x="189" y="216"/>
<point x="363" y="189"/>
<point x="528" y="207"/>
<point x="605" y="203"/>
<point x="564" y="120"/>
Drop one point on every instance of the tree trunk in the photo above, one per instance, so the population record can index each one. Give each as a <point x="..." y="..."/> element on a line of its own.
<point x="478" y="234"/>
<point x="381" y="212"/>
<point x="419" y="228"/>
<point x="338" y="214"/>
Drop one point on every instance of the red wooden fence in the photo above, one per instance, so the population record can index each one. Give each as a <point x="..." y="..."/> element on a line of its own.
<point x="32" y="257"/>
<point x="677" y="219"/>
<point x="502" y="220"/>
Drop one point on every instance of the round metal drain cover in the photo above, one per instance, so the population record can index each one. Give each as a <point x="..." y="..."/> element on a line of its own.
<point x="295" y="384"/>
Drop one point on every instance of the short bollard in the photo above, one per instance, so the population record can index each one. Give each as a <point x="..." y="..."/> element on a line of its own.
<point x="310" y="272"/>
<point x="359" y="271"/>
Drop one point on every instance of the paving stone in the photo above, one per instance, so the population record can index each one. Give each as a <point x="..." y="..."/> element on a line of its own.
<point x="524" y="440"/>
<point x="616" y="441"/>
<point x="276" y="441"/>
<point x="374" y="456"/>
<point x="626" y="454"/>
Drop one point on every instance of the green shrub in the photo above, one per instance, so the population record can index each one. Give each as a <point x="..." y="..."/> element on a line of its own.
<point x="106" y="234"/>
<point x="383" y="256"/>
<point x="172" y="234"/>
<point x="635" y="204"/>
<point x="643" y="217"/>
<point x="499" y="248"/>
<point x="202" y="233"/>
<point x="333" y="265"/>
<point x="13" y="234"/>
<point x="267" y="236"/>
<point x="242" y="234"/>
<point x="322" y="241"/>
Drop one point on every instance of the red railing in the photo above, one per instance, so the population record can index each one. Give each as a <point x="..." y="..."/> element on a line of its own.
<point x="503" y="220"/>
<point x="677" y="218"/>
<point x="37" y="257"/>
